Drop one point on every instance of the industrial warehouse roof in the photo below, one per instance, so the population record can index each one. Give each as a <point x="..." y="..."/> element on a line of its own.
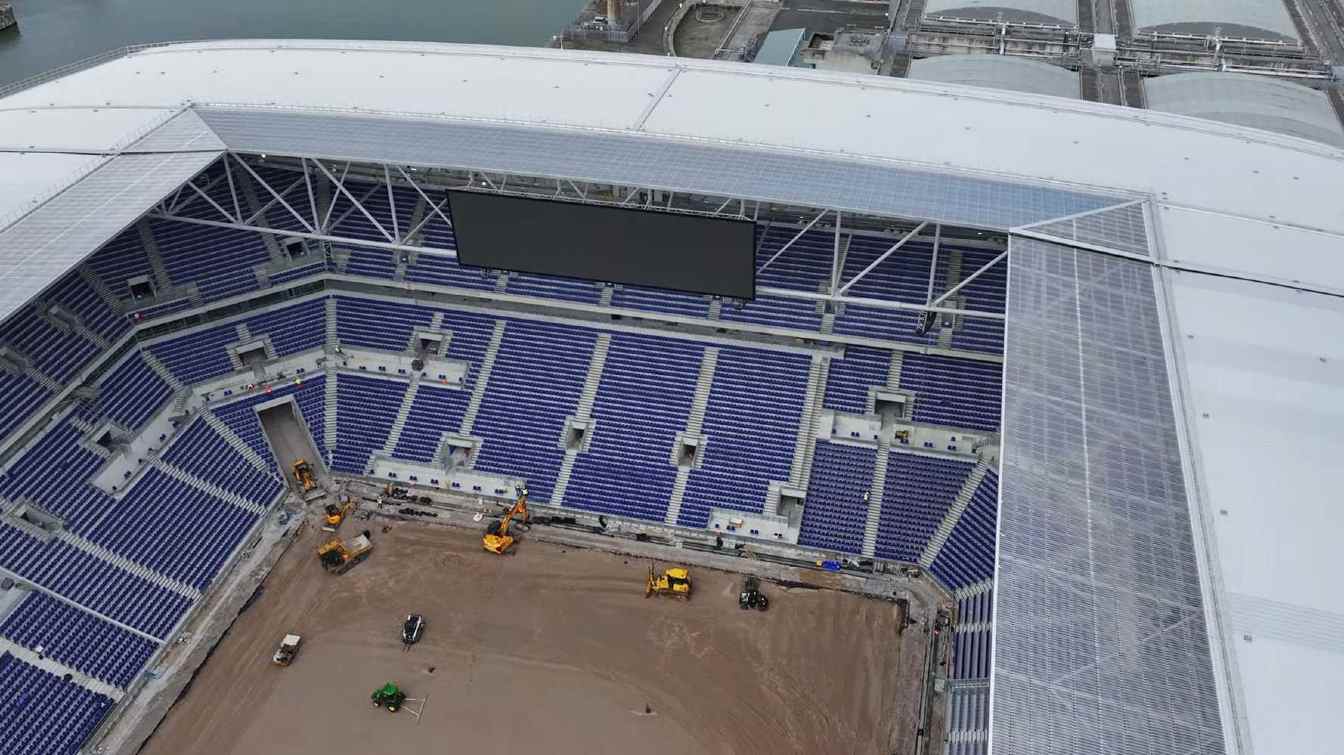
<point x="1255" y="101"/>
<point x="1251" y="19"/>
<point x="998" y="72"/>
<point x="1051" y="12"/>
<point x="1220" y="384"/>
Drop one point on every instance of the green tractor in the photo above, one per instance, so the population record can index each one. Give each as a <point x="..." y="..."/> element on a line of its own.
<point x="389" y="695"/>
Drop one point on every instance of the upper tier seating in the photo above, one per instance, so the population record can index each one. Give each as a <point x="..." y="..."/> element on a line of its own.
<point x="917" y="496"/>
<point x="80" y="299"/>
<point x="642" y="403"/>
<point x="751" y="428"/>
<point x="53" y="473"/>
<point x="849" y="379"/>
<point x="130" y="394"/>
<point x="834" y="513"/>
<point x="986" y="292"/>
<point x="954" y="392"/>
<point x="218" y="260"/>
<point x="53" y="352"/>
<point x="42" y="714"/>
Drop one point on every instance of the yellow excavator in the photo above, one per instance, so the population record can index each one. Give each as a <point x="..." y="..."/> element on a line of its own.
<point x="335" y="515"/>
<point x="674" y="582"/>
<point x="497" y="539"/>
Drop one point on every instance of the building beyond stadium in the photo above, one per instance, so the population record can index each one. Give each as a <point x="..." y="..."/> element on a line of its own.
<point x="1172" y="381"/>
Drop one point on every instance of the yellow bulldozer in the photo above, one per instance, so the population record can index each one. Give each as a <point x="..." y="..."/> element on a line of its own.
<point x="497" y="538"/>
<point x="674" y="582"/>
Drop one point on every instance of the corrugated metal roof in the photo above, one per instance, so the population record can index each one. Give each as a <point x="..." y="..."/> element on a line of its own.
<point x="647" y="160"/>
<point x="1254" y="101"/>
<point x="49" y="240"/>
<point x="1252" y="19"/>
<point x="1100" y="645"/>
<point x="998" y="72"/>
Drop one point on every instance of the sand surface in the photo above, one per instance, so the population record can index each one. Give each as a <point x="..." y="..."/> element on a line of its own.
<point x="550" y="650"/>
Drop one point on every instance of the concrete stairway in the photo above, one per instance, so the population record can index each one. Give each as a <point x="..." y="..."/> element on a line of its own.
<point x="241" y="330"/>
<point x="715" y="309"/>
<point x="42" y="378"/>
<point x="805" y="446"/>
<point x="953" y="516"/>
<point x="333" y="337"/>
<point x="129" y="566"/>
<point x="227" y="496"/>
<point x="607" y="293"/>
<point x="162" y="370"/>
<point x="104" y="293"/>
<point x="694" y="423"/>
<point x="483" y="379"/>
<point x="329" y="413"/>
<point x="875" y="490"/>
<point x="894" y="369"/>
<point x="403" y="412"/>
<point x="587" y="397"/>
<point x="244" y="450"/>
<point x="53" y="666"/>
<point x="161" y="280"/>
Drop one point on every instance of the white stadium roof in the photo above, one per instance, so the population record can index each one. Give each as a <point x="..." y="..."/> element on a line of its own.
<point x="1170" y="360"/>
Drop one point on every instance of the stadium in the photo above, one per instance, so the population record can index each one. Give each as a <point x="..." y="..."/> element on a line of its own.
<point x="1055" y="379"/>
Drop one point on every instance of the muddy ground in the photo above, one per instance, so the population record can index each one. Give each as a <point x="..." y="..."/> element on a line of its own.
<point x="551" y="650"/>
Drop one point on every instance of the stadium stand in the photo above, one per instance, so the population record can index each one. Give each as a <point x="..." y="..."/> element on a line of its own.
<point x="836" y="511"/>
<point x="534" y="386"/>
<point x="78" y="639"/>
<point x="751" y="425"/>
<point x="130" y="394"/>
<point x="643" y="400"/>
<point x="954" y="392"/>
<point x="42" y="712"/>
<point x="968" y="554"/>
<point x="919" y="491"/>
<point x="366" y="406"/>
<point x="849" y="379"/>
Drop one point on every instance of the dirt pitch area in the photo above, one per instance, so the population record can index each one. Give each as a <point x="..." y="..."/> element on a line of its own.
<point x="549" y="650"/>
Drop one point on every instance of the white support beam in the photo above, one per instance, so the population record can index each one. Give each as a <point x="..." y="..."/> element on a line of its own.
<point x="233" y="189"/>
<point x="797" y="236"/>
<point x="835" y="256"/>
<point x="882" y="257"/>
<point x="392" y="205"/>
<point x="326" y="218"/>
<point x="358" y="205"/>
<point x="437" y="208"/>
<point x="278" y="198"/>
<point x="159" y="213"/>
<point x="312" y="195"/>
<point x="970" y="278"/>
<point x="192" y="185"/>
<point x="933" y="264"/>
<point x="789" y="293"/>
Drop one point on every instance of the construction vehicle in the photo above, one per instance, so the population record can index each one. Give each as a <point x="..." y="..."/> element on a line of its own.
<point x="674" y="582"/>
<point x="335" y="515"/>
<point x="390" y="696"/>
<point x="412" y="628"/>
<point x="289" y="647"/>
<point x="751" y="596"/>
<point x="497" y="538"/>
<point x="307" y="481"/>
<point x="339" y="556"/>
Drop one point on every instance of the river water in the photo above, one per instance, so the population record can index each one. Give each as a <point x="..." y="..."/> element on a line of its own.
<point x="55" y="32"/>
